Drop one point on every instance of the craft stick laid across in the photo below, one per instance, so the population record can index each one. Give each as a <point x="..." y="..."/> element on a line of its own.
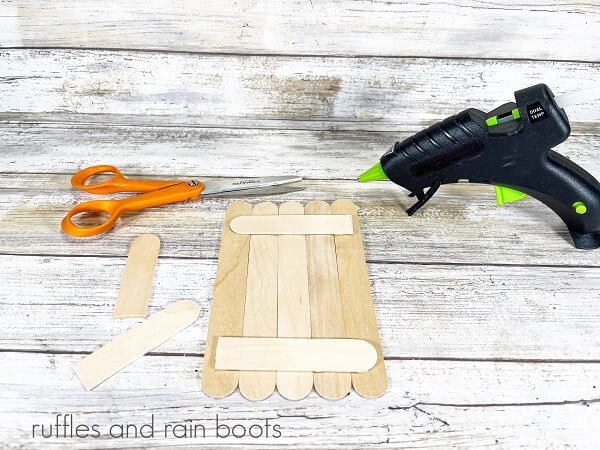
<point x="295" y="354"/>
<point x="293" y="224"/>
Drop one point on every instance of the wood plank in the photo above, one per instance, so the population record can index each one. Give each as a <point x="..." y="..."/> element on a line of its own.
<point x="414" y="381"/>
<point x="228" y="299"/>
<point x="444" y="403"/>
<point x="182" y="88"/>
<point x="556" y="31"/>
<point x="293" y="308"/>
<point x="65" y="148"/>
<point x="326" y="314"/>
<point x="446" y="311"/>
<point x="260" y="310"/>
<point x="456" y="226"/>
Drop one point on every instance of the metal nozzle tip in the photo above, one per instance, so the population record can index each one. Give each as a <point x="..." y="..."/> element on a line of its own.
<point x="375" y="173"/>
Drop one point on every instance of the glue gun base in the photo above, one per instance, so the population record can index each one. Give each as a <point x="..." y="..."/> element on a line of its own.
<point x="588" y="241"/>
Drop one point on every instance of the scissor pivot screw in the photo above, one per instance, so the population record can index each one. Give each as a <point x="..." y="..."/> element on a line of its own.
<point x="193" y="183"/>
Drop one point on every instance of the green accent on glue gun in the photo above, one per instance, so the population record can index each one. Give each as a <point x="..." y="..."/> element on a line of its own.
<point x="579" y="207"/>
<point x="495" y="120"/>
<point x="491" y="121"/>
<point x="507" y="195"/>
<point x="375" y="173"/>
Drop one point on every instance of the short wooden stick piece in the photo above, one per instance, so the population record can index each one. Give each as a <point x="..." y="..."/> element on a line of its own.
<point x="135" y="342"/>
<point x="136" y="284"/>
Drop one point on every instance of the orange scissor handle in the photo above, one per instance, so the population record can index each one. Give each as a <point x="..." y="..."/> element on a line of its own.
<point x="117" y="183"/>
<point x="179" y="192"/>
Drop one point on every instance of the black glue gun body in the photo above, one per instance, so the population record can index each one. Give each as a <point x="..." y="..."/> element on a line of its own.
<point x="509" y="147"/>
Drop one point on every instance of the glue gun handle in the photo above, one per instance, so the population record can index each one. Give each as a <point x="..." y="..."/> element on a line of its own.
<point x="570" y="192"/>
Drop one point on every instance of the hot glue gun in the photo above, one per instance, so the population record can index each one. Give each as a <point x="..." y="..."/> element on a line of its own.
<point x="509" y="147"/>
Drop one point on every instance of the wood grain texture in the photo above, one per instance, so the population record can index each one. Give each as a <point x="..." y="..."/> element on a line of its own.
<point x="357" y="302"/>
<point x="516" y="385"/>
<point x="260" y="310"/>
<point x="459" y="402"/>
<point x="326" y="315"/>
<point x="138" y="276"/>
<point x="64" y="148"/>
<point x="557" y="30"/>
<point x="293" y="308"/>
<point x="228" y="299"/>
<point x="175" y="89"/>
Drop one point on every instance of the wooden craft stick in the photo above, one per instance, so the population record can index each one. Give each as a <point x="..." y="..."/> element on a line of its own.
<point x="357" y="303"/>
<point x="293" y="313"/>
<point x="135" y="342"/>
<point x="136" y="284"/>
<point x="260" y="312"/>
<point x="295" y="354"/>
<point x="293" y="224"/>
<point x="227" y="308"/>
<point x="327" y="319"/>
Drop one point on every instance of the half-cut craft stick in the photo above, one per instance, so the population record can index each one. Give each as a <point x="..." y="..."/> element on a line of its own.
<point x="135" y="342"/>
<point x="293" y="224"/>
<point x="227" y="308"/>
<point x="293" y="314"/>
<point x="327" y="319"/>
<point x="136" y="284"/>
<point x="260" y="312"/>
<point x="359" y="314"/>
<point x="295" y="354"/>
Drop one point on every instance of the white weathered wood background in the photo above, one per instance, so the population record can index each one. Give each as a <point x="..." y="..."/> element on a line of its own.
<point x="488" y="316"/>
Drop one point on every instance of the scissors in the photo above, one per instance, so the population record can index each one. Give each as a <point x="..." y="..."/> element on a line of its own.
<point x="155" y="193"/>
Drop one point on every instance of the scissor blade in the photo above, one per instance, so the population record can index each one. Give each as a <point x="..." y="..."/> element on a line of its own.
<point x="262" y="192"/>
<point x="245" y="184"/>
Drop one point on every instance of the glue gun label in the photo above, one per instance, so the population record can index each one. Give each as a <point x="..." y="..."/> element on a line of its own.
<point x="535" y="112"/>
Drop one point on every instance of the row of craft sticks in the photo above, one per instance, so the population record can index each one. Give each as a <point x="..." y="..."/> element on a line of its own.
<point x="292" y="286"/>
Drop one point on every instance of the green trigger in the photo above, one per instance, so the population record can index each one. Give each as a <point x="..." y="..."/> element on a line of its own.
<point x="507" y="195"/>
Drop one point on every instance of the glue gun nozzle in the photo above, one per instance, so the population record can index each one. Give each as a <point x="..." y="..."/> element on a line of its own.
<point x="375" y="173"/>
